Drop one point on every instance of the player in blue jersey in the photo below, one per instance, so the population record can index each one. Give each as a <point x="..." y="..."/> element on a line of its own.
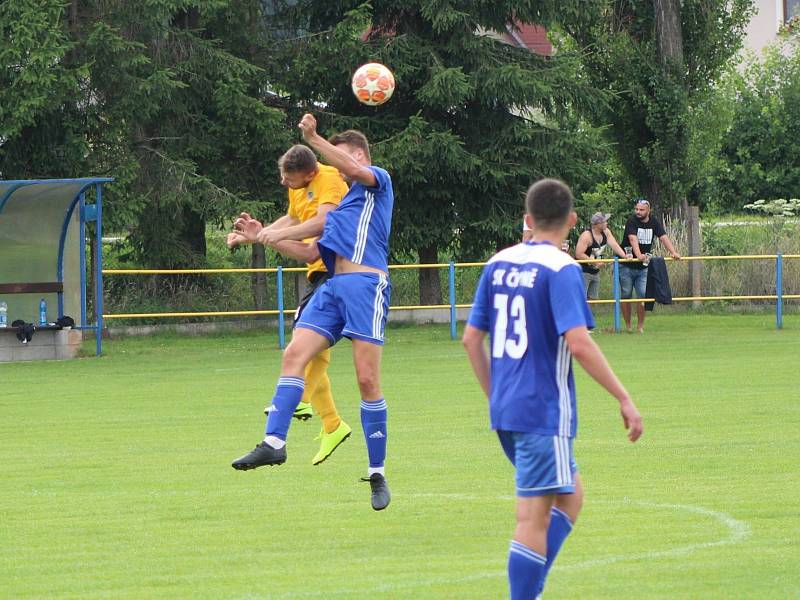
<point x="354" y="303"/>
<point x="531" y="301"/>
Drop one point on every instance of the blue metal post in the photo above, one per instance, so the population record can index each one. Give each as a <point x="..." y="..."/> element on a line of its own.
<point x="779" y="289"/>
<point x="281" y="332"/>
<point x="82" y="256"/>
<point x="617" y="326"/>
<point x="452" y="286"/>
<point x="98" y="261"/>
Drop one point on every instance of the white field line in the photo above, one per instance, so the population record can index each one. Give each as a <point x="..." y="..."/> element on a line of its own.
<point x="737" y="532"/>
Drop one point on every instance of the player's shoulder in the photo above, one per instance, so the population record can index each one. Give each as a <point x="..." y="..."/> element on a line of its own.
<point x="328" y="173"/>
<point x="377" y="169"/>
<point x="381" y="174"/>
<point x="542" y="254"/>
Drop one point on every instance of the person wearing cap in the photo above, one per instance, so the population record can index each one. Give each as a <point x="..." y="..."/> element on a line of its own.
<point x="640" y="232"/>
<point x="591" y="245"/>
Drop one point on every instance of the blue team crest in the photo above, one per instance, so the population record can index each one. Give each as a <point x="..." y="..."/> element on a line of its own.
<point x="310" y="194"/>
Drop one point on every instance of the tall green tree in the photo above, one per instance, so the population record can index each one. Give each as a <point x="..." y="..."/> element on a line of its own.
<point x="761" y="149"/>
<point x="165" y="97"/>
<point x="473" y="121"/>
<point x="662" y="59"/>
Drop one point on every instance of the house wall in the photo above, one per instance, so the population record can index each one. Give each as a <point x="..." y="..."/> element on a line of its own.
<point x="763" y="27"/>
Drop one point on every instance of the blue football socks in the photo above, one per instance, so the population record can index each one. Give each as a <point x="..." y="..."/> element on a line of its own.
<point x="287" y="396"/>
<point x="525" y="571"/>
<point x="560" y="528"/>
<point x="373" y="422"/>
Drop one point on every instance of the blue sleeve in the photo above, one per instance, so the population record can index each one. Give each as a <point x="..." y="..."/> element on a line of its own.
<point x="383" y="179"/>
<point x="568" y="300"/>
<point x="480" y="315"/>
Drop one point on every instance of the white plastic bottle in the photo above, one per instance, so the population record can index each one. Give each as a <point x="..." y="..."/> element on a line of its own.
<point x="3" y="314"/>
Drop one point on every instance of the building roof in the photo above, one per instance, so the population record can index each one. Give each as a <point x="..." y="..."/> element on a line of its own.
<point x="532" y="37"/>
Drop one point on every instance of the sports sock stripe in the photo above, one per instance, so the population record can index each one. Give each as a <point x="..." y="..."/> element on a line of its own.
<point x="296" y="382"/>
<point x="521" y="549"/>
<point x="563" y="514"/>
<point x="381" y="405"/>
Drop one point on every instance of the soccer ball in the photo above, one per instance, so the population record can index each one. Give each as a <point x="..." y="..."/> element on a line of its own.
<point x="373" y="84"/>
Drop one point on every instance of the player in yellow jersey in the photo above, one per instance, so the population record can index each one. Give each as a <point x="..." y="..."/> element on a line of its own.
<point x="314" y="190"/>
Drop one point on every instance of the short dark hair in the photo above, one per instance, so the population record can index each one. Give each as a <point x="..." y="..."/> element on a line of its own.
<point x="298" y="159"/>
<point x="353" y="138"/>
<point x="549" y="202"/>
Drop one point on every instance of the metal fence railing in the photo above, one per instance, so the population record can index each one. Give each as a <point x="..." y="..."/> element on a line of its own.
<point x="281" y="311"/>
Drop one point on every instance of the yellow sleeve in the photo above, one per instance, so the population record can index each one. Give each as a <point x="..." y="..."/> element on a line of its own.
<point x="332" y="188"/>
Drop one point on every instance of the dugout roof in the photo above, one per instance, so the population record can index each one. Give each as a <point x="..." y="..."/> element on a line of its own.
<point x="41" y="228"/>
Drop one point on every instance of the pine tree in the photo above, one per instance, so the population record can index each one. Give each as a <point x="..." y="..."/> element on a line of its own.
<point x="473" y="121"/>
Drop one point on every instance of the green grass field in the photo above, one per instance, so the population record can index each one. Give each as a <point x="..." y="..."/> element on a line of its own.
<point x="115" y="479"/>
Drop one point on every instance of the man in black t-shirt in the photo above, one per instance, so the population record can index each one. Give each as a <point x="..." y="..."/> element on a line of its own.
<point x="641" y="230"/>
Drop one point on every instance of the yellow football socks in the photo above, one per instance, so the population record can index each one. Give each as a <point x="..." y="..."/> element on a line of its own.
<point x="318" y="391"/>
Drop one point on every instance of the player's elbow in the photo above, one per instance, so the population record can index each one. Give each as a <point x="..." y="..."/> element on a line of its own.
<point x="580" y="351"/>
<point x="472" y="338"/>
<point x="579" y="343"/>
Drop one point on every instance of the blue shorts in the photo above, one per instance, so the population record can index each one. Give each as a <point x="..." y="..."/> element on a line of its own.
<point x="544" y="463"/>
<point x="352" y="305"/>
<point x="629" y="279"/>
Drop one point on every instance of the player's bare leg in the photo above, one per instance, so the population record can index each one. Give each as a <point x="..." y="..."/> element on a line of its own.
<point x="571" y="504"/>
<point x="367" y="360"/>
<point x="528" y="551"/>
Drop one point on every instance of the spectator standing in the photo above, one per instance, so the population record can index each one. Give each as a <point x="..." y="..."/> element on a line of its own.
<point x="641" y="230"/>
<point x="591" y="245"/>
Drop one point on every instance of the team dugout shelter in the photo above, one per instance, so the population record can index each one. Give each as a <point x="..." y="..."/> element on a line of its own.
<point x="43" y="250"/>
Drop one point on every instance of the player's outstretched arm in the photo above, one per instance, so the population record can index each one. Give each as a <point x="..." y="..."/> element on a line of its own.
<point x="591" y="358"/>
<point x="335" y="157"/>
<point x="300" y="231"/>
<point x="245" y="231"/>
<point x="478" y="356"/>
<point x="300" y="251"/>
<point x="282" y="222"/>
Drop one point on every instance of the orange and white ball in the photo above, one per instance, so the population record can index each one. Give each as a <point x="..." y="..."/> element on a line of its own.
<point x="373" y="84"/>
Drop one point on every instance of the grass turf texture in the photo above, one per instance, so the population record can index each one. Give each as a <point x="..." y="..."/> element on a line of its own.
<point x="116" y="479"/>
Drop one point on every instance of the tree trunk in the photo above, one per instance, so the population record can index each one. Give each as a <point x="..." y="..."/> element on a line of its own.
<point x="430" y="285"/>
<point x="669" y="34"/>
<point x="73" y="15"/>
<point x="652" y="193"/>
<point x="258" y="281"/>
<point x="669" y="40"/>
<point x="193" y="232"/>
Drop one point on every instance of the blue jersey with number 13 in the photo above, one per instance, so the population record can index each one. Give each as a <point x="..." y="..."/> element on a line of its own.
<point x="528" y="296"/>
